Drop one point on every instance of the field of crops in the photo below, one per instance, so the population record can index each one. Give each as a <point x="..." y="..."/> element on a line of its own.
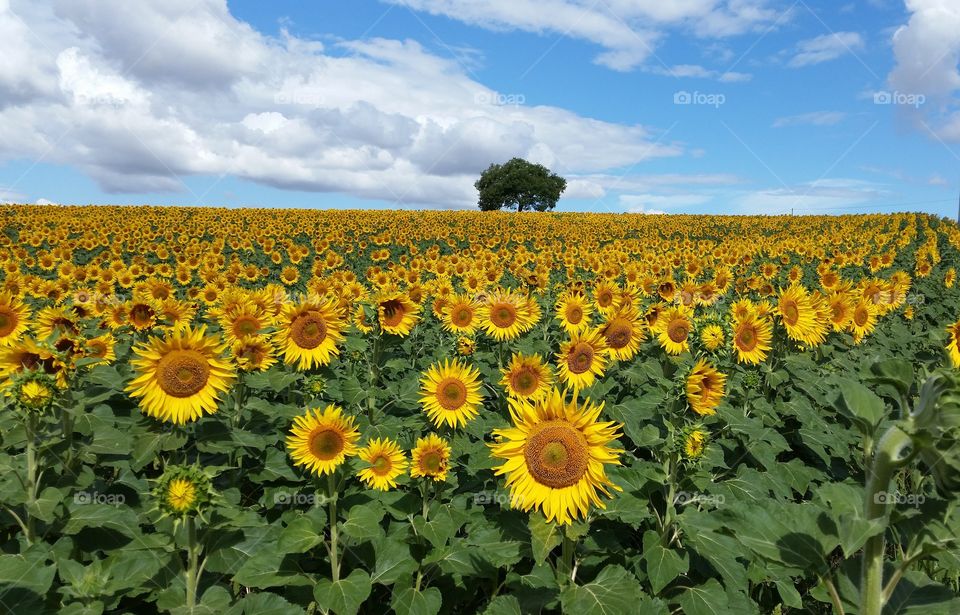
<point x="297" y="411"/>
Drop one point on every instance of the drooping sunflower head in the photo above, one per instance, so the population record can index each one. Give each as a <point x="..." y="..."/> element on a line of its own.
<point x="180" y="377"/>
<point x="309" y="333"/>
<point x="705" y="388"/>
<point x="863" y="320"/>
<point x="26" y="356"/>
<point x="751" y="338"/>
<point x="397" y="313"/>
<point x="573" y="312"/>
<point x="182" y="491"/>
<point x="14" y="318"/>
<point x="953" y="343"/>
<point x="450" y="393"/>
<point x="673" y="330"/>
<point x="582" y="359"/>
<point x="322" y="440"/>
<point x="386" y="463"/>
<point x="527" y="376"/>
<point x="694" y="443"/>
<point x="460" y="314"/>
<point x="430" y="458"/>
<point x="622" y="333"/>
<point x="254" y="353"/>
<point x="554" y="456"/>
<point x="712" y="337"/>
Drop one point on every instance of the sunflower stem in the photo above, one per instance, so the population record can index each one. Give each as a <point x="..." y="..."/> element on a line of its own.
<point x="193" y="554"/>
<point x="567" y="549"/>
<point x="671" y="500"/>
<point x="425" y="492"/>
<point x="332" y="504"/>
<point x="30" y="426"/>
<point x="373" y="367"/>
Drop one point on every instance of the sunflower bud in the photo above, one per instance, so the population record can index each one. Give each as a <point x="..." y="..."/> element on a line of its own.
<point x="183" y="491"/>
<point x="934" y="426"/>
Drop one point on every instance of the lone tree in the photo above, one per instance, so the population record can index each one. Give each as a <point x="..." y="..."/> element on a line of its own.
<point x="519" y="184"/>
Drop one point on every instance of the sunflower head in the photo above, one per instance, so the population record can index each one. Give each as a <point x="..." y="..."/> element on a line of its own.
<point x="34" y="391"/>
<point x="397" y="313"/>
<point x="705" y="388"/>
<point x="309" y="333"/>
<point x="450" y="393"/>
<point x="181" y="376"/>
<point x="527" y="376"/>
<point x="385" y="463"/>
<point x="183" y="491"/>
<point x="554" y="456"/>
<point x="694" y="443"/>
<point x="466" y="346"/>
<point x="430" y="458"/>
<point x="321" y="441"/>
<point x="582" y="359"/>
<point x="712" y="337"/>
<point x="751" y="338"/>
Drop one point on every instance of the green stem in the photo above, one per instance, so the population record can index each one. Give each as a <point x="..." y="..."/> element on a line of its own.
<point x="889" y="457"/>
<point x="30" y="426"/>
<point x="671" y="499"/>
<point x="332" y="503"/>
<point x="425" y="493"/>
<point x="193" y="555"/>
<point x="565" y="568"/>
<point x="834" y="596"/>
<point x="374" y="378"/>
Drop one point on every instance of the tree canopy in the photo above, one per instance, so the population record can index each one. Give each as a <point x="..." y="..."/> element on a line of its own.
<point x="519" y="185"/>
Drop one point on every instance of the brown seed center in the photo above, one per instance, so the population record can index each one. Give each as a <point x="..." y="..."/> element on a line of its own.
<point x="556" y="454"/>
<point x="182" y="373"/>
<point x="308" y="330"/>
<point x="580" y="358"/>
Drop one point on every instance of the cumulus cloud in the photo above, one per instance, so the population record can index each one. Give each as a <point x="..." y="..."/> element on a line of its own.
<point x="817" y="197"/>
<point x="627" y="30"/>
<point x="825" y="48"/>
<point x="927" y="53"/>
<point x="141" y="95"/>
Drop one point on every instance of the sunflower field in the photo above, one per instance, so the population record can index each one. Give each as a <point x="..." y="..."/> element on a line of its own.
<point x="242" y="411"/>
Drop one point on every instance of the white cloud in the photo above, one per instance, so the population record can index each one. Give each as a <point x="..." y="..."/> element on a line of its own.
<point x="817" y="197"/>
<point x="937" y="180"/>
<point x="817" y="118"/>
<point x="140" y="95"/>
<point x="927" y="52"/>
<point x="628" y="30"/>
<point x="44" y="202"/>
<point x="650" y="203"/>
<point x="825" y="48"/>
<point x="680" y="71"/>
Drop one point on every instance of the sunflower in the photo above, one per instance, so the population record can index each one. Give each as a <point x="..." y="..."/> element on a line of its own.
<point x="694" y="444"/>
<point x="26" y="355"/>
<point x="55" y="321"/>
<point x="321" y="441"/>
<point x="604" y="295"/>
<point x="526" y="376"/>
<point x="450" y="393"/>
<point x="573" y="312"/>
<point x="397" y="313"/>
<point x="841" y="310"/>
<point x="387" y="462"/>
<point x="309" y="333"/>
<point x="254" y="353"/>
<point x="863" y="320"/>
<point x="673" y="330"/>
<point x="582" y="359"/>
<point x="182" y="490"/>
<point x="34" y="394"/>
<point x="465" y="346"/>
<point x="950" y="277"/>
<point x="430" y="458"/>
<point x="181" y="495"/>
<point x="244" y="321"/>
<point x="506" y="315"/>
<point x="181" y="376"/>
<point x="712" y="337"/>
<point x="555" y="456"/>
<point x="751" y="338"/>
<point x="953" y="345"/>
<point x="622" y="333"/>
<point x="101" y="348"/>
<point x="141" y="315"/>
<point x="798" y="314"/>
<point x="705" y="388"/>
<point x="460" y="314"/>
<point x="14" y="316"/>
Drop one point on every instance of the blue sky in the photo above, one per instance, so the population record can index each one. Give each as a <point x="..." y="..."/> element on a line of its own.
<point x="694" y="106"/>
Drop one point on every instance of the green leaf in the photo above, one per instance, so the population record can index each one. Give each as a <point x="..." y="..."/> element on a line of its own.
<point x="299" y="536"/>
<point x="544" y="537"/>
<point x="30" y="572"/>
<point x="363" y="522"/>
<point x="706" y="599"/>
<point x="343" y="597"/>
<point x="412" y="602"/>
<point x="45" y="504"/>
<point x="393" y="562"/>
<point x="917" y="594"/>
<point x="503" y="605"/>
<point x="115" y="517"/>
<point x="845" y="503"/>
<point x="861" y="404"/>
<point x="613" y="591"/>
<point x="663" y="565"/>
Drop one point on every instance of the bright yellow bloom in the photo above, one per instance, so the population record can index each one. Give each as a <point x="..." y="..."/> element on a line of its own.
<point x="705" y="388"/>
<point x="526" y="376"/>
<point x="430" y="458"/>
<point x="386" y="463"/>
<point x="450" y="393"/>
<point x="582" y="359"/>
<point x="322" y="440"/>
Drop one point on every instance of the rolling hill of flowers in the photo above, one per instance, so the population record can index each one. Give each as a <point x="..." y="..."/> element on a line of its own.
<point x="296" y="411"/>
